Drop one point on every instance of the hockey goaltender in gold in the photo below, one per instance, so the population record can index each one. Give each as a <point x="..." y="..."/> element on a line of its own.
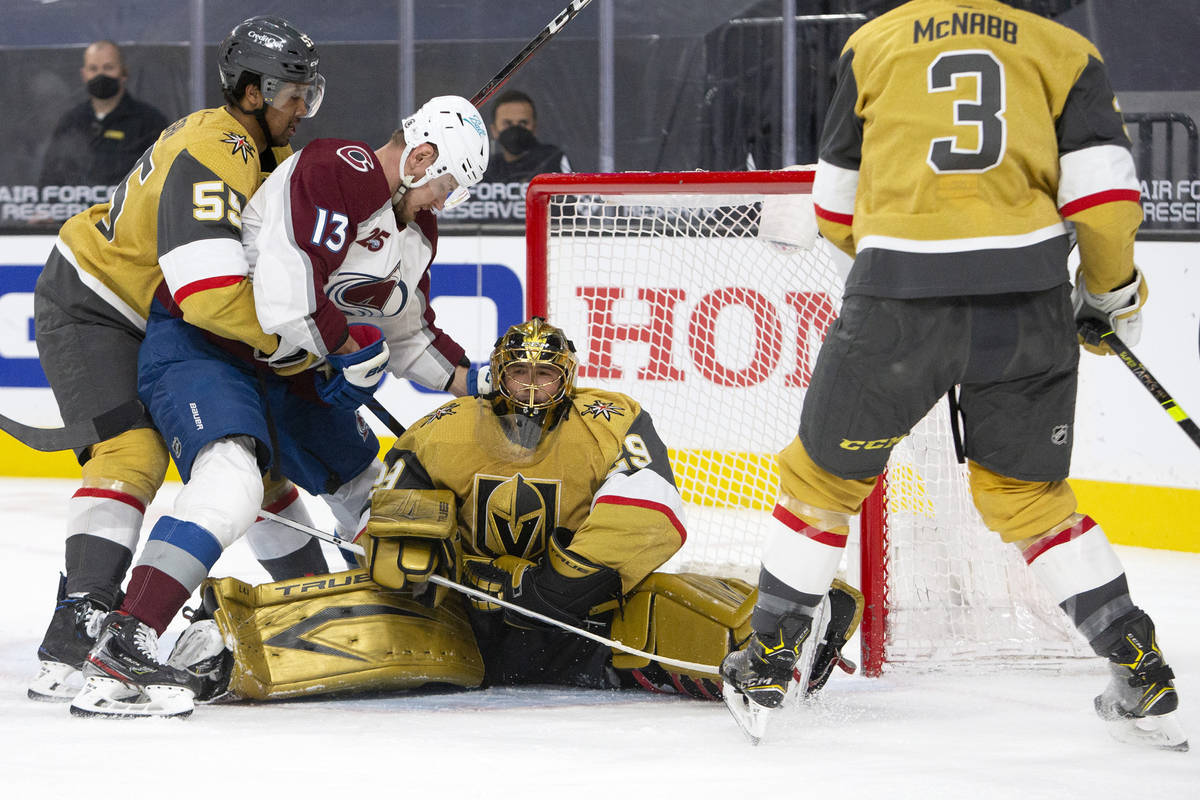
<point x="558" y="499"/>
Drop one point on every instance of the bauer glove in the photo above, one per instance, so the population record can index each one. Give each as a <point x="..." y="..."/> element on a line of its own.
<point x="1120" y="309"/>
<point x="479" y="380"/>
<point x="356" y="375"/>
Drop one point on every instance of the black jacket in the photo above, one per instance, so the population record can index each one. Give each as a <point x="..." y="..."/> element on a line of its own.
<point x="541" y="158"/>
<point x="85" y="151"/>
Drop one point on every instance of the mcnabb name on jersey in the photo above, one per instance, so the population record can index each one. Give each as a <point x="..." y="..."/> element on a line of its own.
<point x="965" y="24"/>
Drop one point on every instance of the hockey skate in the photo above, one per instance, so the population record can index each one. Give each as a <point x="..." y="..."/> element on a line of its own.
<point x="201" y="652"/>
<point x="758" y="677"/>
<point x="71" y="634"/>
<point x="1140" y="702"/>
<point x="124" y="678"/>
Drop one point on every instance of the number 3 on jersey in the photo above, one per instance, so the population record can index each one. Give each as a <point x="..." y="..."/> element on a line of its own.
<point x="985" y="114"/>
<point x="330" y="230"/>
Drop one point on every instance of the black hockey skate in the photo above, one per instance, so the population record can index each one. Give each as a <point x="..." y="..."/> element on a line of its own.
<point x="757" y="677"/>
<point x="69" y="638"/>
<point x="1140" y="700"/>
<point x="123" y="676"/>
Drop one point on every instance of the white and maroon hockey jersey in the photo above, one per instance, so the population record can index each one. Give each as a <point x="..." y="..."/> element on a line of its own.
<point x="325" y="247"/>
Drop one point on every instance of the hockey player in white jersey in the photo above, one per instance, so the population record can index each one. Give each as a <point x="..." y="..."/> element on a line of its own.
<point x="342" y="230"/>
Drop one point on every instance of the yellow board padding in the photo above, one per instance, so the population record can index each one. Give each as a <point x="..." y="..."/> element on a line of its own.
<point x="1161" y="517"/>
<point x="19" y="461"/>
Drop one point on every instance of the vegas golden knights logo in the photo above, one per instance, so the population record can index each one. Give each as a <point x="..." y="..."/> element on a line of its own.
<point x="514" y="515"/>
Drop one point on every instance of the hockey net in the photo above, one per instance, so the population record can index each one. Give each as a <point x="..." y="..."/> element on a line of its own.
<point x="705" y="296"/>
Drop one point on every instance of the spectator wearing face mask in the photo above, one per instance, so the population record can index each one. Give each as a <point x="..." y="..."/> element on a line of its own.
<point x="521" y="155"/>
<point x="96" y="142"/>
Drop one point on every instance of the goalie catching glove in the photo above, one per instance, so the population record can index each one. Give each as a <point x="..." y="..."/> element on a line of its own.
<point x="563" y="586"/>
<point x="1120" y="309"/>
<point x="411" y="535"/>
<point x="355" y="376"/>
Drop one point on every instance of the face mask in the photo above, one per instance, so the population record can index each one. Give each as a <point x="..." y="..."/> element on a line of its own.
<point x="517" y="140"/>
<point x="103" y="87"/>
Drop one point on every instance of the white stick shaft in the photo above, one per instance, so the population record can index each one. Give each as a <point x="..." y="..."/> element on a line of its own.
<point x="334" y="539"/>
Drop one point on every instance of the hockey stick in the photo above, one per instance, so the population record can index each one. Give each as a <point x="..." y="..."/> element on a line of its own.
<point x="383" y="415"/>
<point x="1095" y="333"/>
<point x="77" y="435"/>
<point x="338" y="541"/>
<point x="491" y="87"/>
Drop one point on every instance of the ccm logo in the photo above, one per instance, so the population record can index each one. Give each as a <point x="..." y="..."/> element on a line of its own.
<point x="810" y="315"/>
<point x="873" y="444"/>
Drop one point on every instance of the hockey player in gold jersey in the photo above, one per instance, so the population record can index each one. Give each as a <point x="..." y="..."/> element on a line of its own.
<point x="961" y="137"/>
<point x="172" y="229"/>
<point x="558" y="499"/>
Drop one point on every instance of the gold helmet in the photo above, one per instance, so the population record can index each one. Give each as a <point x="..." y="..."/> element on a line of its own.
<point x="522" y="350"/>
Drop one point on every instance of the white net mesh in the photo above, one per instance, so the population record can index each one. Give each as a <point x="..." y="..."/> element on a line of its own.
<point x="674" y="299"/>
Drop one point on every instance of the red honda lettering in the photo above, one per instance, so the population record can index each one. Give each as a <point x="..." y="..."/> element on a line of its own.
<point x="603" y="331"/>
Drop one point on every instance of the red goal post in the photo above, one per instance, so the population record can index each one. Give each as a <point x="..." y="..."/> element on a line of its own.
<point x="704" y="296"/>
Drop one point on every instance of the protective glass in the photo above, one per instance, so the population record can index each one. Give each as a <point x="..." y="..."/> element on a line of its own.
<point x="278" y="93"/>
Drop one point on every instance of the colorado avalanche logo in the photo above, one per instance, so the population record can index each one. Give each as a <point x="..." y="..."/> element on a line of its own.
<point x="359" y="158"/>
<point x="360" y="295"/>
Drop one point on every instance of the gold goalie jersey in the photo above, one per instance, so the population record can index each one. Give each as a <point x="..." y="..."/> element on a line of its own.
<point x="960" y="135"/>
<point x="176" y="220"/>
<point x="601" y="472"/>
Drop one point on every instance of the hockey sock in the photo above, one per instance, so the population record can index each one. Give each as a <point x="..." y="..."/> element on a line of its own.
<point x="175" y="561"/>
<point x="102" y="534"/>
<point x="282" y="551"/>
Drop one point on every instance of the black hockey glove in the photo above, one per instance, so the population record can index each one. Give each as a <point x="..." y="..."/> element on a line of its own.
<point x="563" y="586"/>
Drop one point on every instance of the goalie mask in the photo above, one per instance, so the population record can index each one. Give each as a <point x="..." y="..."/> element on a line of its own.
<point x="533" y="372"/>
<point x="452" y="125"/>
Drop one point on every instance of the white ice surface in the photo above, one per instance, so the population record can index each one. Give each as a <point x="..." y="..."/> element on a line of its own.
<point x="999" y="734"/>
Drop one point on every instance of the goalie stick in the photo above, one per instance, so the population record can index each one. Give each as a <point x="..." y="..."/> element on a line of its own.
<point x="555" y="25"/>
<point x="338" y="541"/>
<point x="77" y="435"/>
<point x="1095" y="333"/>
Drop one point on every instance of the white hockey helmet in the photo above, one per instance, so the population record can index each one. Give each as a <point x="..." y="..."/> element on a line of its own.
<point x="452" y="125"/>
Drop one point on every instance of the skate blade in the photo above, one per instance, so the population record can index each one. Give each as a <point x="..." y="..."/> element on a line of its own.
<point x="55" y="682"/>
<point x="749" y="716"/>
<point x="109" y="698"/>
<point x="1162" y="732"/>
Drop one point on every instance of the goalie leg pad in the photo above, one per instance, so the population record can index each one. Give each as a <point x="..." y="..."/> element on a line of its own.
<point x="682" y="616"/>
<point x="339" y="633"/>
